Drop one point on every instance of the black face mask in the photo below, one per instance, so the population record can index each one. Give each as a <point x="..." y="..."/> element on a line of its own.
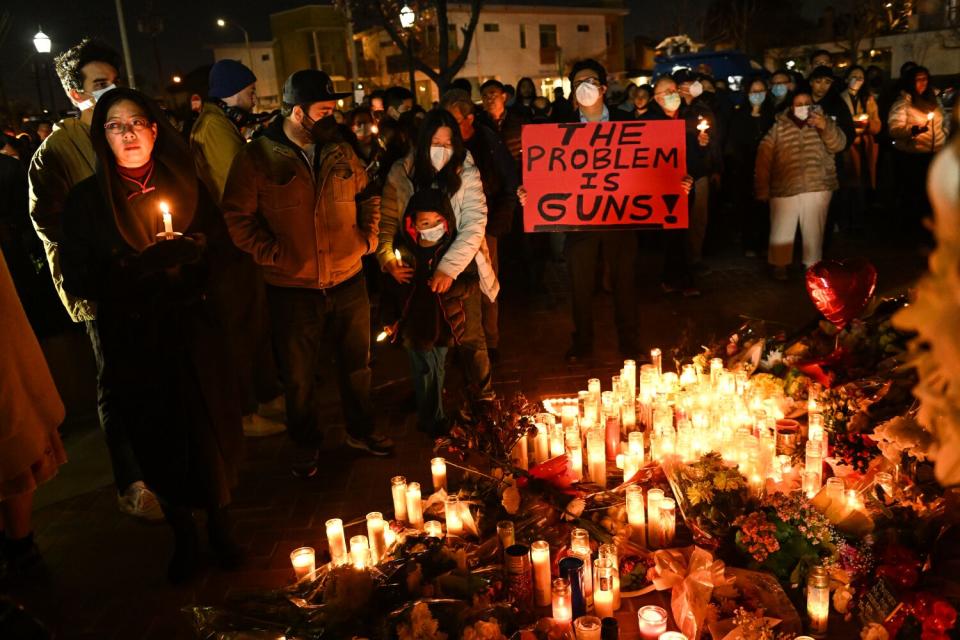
<point x="323" y="130"/>
<point x="239" y="117"/>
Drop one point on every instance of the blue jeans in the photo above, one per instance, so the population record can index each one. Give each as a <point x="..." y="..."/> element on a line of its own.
<point x="427" y="369"/>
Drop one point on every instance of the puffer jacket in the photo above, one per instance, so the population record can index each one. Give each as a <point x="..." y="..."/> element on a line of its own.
<point x="794" y="159"/>
<point x="904" y="116"/>
<point x="470" y="210"/>
<point x="65" y="159"/>
<point x="214" y="142"/>
<point x="306" y="226"/>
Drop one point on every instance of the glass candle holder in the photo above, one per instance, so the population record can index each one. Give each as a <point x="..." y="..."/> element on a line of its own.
<point x="668" y="521"/>
<point x="562" y="607"/>
<point x="454" y="519"/>
<point x="336" y="542"/>
<point x="520" y="454"/>
<point x="303" y="561"/>
<point x="597" y="456"/>
<point x="541" y="446"/>
<point x="414" y="505"/>
<point x="398" y="488"/>
<point x="557" y="441"/>
<point x="505" y="533"/>
<point x="608" y="553"/>
<point x="672" y="635"/>
<point x="580" y="547"/>
<point x="540" y="557"/>
<point x="636" y="516"/>
<point x="587" y="628"/>
<point x="360" y="552"/>
<point x="574" y="453"/>
<point x="438" y="468"/>
<point x="519" y="576"/>
<point x="603" y="588"/>
<point x="884" y="480"/>
<point x="818" y="600"/>
<point x="652" y="621"/>
<point x="835" y="489"/>
<point x="375" y="531"/>
<point x="573" y="569"/>
<point x="654" y="498"/>
<point x="656" y="361"/>
<point x="433" y="529"/>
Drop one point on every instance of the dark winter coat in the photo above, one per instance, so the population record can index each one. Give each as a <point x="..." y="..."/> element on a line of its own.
<point x="498" y="173"/>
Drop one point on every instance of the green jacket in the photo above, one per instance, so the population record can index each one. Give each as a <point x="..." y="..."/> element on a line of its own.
<point x="215" y="142"/>
<point x="64" y="159"/>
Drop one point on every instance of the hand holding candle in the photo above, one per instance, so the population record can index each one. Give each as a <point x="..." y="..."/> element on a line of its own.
<point x="168" y="233"/>
<point x="703" y="138"/>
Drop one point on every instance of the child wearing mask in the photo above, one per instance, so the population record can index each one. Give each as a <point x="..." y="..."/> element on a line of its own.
<point x="427" y="321"/>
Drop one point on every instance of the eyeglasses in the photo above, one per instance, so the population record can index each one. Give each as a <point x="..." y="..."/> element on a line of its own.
<point x="116" y="128"/>
<point x="594" y="81"/>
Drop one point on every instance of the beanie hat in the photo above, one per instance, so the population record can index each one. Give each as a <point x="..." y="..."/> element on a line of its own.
<point x="229" y="77"/>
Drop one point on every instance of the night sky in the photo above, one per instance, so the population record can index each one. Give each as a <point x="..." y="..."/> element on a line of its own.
<point x="189" y="28"/>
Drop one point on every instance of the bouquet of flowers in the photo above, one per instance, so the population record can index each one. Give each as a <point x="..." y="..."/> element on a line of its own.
<point x="786" y="535"/>
<point x="710" y="493"/>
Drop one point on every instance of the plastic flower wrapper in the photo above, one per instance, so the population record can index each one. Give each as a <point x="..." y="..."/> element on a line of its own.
<point x="691" y="574"/>
<point x="710" y="494"/>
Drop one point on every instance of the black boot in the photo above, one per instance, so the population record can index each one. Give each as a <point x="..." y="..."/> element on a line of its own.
<point x="225" y="549"/>
<point x="20" y="554"/>
<point x="183" y="562"/>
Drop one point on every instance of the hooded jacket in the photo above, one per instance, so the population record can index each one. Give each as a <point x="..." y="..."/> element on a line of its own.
<point x="64" y="160"/>
<point x="307" y="226"/>
<point x="794" y="159"/>
<point x="469" y="209"/>
<point x="214" y="142"/>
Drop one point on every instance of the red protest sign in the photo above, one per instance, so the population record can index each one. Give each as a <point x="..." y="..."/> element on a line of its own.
<point x="586" y="176"/>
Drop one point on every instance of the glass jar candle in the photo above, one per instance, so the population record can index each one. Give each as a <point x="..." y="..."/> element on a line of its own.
<point x="454" y="519"/>
<point x="433" y="529"/>
<point x="597" y="456"/>
<point x="414" y="505"/>
<point x="587" y="628"/>
<point x="636" y="516"/>
<point x="580" y="547"/>
<point x="375" y="532"/>
<point x="608" y="553"/>
<point x="654" y="498"/>
<point x="818" y="600"/>
<point x="540" y="558"/>
<point x="505" y="533"/>
<point x="572" y="568"/>
<point x="603" y="588"/>
<point x="835" y="490"/>
<point x="574" y="453"/>
<point x="438" y="468"/>
<point x="557" y="441"/>
<point x="652" y="621"/>
<point x="336" y="542"/>
<point x="303" y="561"/>
<point x="668" y="521"/>
<point x="360" y="552"/>
<point x="398" y="487"/>
<point x="562" y="606"/>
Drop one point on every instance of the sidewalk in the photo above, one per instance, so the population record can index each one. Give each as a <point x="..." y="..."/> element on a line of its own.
<point x="103" y="573"/>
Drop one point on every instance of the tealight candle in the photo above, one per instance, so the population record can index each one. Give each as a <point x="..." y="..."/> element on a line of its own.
<point x="454" y="519"/>
<point x="398" y="487"/>
<point x="378" y="541"/>
<point x="652" y="621"/>
<point x="303" y="561"/>
<point x="561" y="601"/>
<point x="414" y="505"/>
<point x="433" y="529"/>
<point x="360" y="552"/>
<point x="336" y="541"/>
<point x="540" y="555"/>
<point x="636" y="517"/>
<point x="438" y="468"/>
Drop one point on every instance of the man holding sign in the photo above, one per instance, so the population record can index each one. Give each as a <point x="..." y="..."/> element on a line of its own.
<point x="599" y="176"/>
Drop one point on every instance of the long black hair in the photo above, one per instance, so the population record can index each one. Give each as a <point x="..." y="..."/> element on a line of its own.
<point x="768" y="106"/>
<point x="526" y="81"/>
<point x="424" y="175"/>
<point x="926" y="101"/>
<point x="863" y="95"/>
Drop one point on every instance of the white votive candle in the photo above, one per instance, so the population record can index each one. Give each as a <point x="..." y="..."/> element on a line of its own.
<point x="636" y="517"/>
<point x="433" y="529"/>
<point x="540" y="555"/>
<point x="541" y="446"/>
<point x="414" y="505"/>
<point x="398" y="487"/>
<point x="654" y="537"/>
<point x="378" y="541"/>
<point x="438" y="467"/>
<point x="454" y="519"/>
<point x="652" y="621"/>
<point x="336" y="541"/>
<point x="360" y="552"/>
<point x="303" y="561"/>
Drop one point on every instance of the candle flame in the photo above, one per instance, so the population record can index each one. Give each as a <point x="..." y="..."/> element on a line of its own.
<point x="704" y="125"/>
<point x="396" y="253"/>
<point x="930" y="116"/>
<point x="165" y="208"/>
<point x="383" y="335"/>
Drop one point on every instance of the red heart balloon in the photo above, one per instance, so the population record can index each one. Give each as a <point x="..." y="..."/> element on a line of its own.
<point x="841" y="289"/>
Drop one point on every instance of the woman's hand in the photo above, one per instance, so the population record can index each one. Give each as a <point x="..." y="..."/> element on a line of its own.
<point x="703" y="138"/>
<point x="687" y="184"/>
<point x="817" y="120"/>
<point x="400" y="272"/>
<point x="522" y="195"/>
<point x="440" y="282"/>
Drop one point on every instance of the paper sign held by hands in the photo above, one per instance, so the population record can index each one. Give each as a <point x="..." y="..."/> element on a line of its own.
<point x="604" y="176"/>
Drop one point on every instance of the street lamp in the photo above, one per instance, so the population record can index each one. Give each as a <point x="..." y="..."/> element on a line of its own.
<point x="222" y="23"/>
<point x="42" y="42"/>
<point x="407" y="18"/>
<point x="177" y="79"/>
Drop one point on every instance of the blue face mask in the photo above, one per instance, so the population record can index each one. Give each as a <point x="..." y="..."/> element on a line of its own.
<point x="757" y="98"/>
<point x="779" y="90"/>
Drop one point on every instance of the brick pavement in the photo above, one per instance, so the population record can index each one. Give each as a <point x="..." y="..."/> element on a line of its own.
<point x="102" y="576"/>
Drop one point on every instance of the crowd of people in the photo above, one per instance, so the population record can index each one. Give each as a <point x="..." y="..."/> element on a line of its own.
<point x="223" y="268"/>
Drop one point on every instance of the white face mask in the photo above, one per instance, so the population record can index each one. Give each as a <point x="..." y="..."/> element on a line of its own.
<point x="801" y="113"/>
<point x="696" y="89"/>
<point x="587" y="94"/>
<point x="439" y="156"/>
<point x="97" y="94"/>
<point x="433" y="234"/>
<point x="671" y="102"/>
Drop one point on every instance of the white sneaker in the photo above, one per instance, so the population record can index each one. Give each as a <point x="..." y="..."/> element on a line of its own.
<point x="256" y="426"/>
<point x="275" y="410"/>
<point x="138" y="501"/>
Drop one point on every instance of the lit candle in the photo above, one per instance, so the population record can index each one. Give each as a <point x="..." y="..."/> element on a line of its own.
<point x="593" y="386"/>
<point x="835" y="490"/>
<point x="603" y="591"/>
<point x="818" y="600"/>
<point x="398" y="486"/>
<point x="608" y="553"/>
<point x="853" y="500"/>
<point x="336" y="541"/>
<point x="632" y="463"/>
<point x="635" y="515"/>
<point x="597" y="457"/>
<point x="587" y="627"/>
<point x="703" y="125"/>
<point x="454" y="520"/>
<point x="668" y="521"/>
<point x="438" y="467"/>
<point x="629" y="381"/>
<point x="167" y="221"/>
<point x="396" y="254"/>
<point x="541" y="445"/>
<point x="676" y="635"/>
<point x="574" y="454"/>
<point x="929" y="117"/>
<point x="561" y="601"/>
<point x="688" y="376"/>
<point x="389" y="537"/>
<point x="303" y="561"/>
<point x="568" y="415"/>
<point x="540" y="554"/>
<point x="580" y="548"/>
<point x="360" y="552"/>
<point x="519" y="455"/>
<point x="433" y="529"/>
<point x="414" y="505"/>
<point x="557" y="447"/>
<point x="652" y="621"/>
<point x="656" y="359"/>
<point x="654" y="498"/>
<point x="378" y="541"/>
<point x="813" y="467"/>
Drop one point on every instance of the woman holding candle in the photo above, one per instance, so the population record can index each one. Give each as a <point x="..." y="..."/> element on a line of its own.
<point x="859" y="174"/>
<point x="165" y="361"/>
